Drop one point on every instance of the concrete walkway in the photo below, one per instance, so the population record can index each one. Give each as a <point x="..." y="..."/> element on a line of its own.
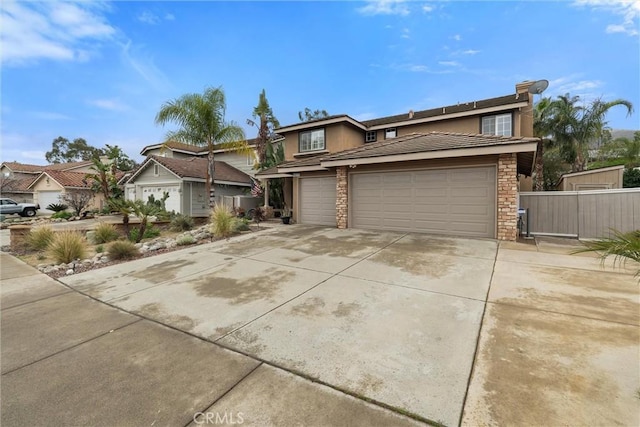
<point x="70" y="360"/>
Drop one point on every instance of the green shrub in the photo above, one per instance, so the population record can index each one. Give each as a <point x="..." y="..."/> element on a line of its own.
<point x="122" y="249"/>
<point x="241" y="224"/>
<point x="57" y="207"/>
<point x="40" y="238"/>
<point x="62" y="214"/>
<point x="187" y="239"/>
<point x="181" y="223"/>
<point x="222" y="219"/>
<point x="99" y="249"/>
<point x="105" y="233"/>
<point x="67" y="246"/>
<point x="149" y="233"/>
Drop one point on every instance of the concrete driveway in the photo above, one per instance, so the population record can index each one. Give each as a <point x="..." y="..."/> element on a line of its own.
<point x="396" y="319"/>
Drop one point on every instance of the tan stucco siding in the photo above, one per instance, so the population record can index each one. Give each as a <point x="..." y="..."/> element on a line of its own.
<point x="44" y="184"/>
<point x="337" y="137"/>
<point x="461" y="125"/>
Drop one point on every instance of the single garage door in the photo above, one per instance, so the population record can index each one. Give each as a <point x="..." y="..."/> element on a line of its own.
<point x="171" y="204"/>
<point x="318" y="201"/>
<point x="458" y="201"/>
<point x="46" y="198"/>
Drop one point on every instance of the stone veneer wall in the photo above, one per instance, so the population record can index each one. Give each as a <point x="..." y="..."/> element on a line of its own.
<point x="342" y="195"/>
<point x="507" y="197"/>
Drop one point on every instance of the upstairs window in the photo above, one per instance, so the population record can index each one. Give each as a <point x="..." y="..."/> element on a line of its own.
<point x="497" y="125"/>
<point x="371" y="136"/>
<point x="390" y="133"/>
<point x="312" y="140"/>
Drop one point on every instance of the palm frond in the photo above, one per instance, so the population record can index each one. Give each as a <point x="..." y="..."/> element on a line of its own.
<point x="622" y="246"/>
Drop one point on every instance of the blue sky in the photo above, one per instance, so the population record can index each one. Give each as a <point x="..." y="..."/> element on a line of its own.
<point x="101" y="70"/>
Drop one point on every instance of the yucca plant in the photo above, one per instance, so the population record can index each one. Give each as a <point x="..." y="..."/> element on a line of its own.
<point x="122" y="249"/>
<point x="105" y="233"/>
<point x="57" y="207"/>
<point x="40" y="238"/>
<point x="67" y="246"/>
<point x="222" y="220"/>
<point x="622" y="246"/>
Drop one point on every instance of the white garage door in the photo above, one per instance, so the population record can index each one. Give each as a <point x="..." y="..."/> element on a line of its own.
<point x="318" y="201"/>
<point x="46" y="198"/>
<point x="460" y="201"/>
<point x="172" y="203"/>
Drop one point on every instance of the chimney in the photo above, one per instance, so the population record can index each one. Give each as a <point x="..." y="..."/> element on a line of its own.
<point x="523" y="87"/>
<point x="410" y="114"/>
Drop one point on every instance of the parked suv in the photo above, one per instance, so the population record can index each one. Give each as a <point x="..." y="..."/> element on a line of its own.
<point x="8" y="206"/>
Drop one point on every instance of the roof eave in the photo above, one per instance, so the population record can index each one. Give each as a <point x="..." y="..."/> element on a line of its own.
<point x="439" y="154"/>
<point x="302" y="169"/>
<point x="451" y="115"/>
<point x="320" y="123"/>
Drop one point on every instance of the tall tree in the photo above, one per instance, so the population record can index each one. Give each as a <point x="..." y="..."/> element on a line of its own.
<point x="63" y="151"/>
<point x="201" y="122"/>
<point x="574" y="126"/>
<point x="308" y="115"/>
<point x="118" y="159"/>
<point x="268" y="122"/>
<point x="542" y="127"/>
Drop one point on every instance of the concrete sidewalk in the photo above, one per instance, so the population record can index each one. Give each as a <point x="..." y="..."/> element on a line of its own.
<point x="70" y="360"/>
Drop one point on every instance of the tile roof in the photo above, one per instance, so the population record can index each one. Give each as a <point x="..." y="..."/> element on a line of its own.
<point x="67" y="166"/>
<point x="19" y="185"/>
<point x="195" y="149"/>
<point x="70" y="179"/>
<point x="196" y="167"/>
<point x="450" y="109"/>
<point x="423" y="142"/>
<point x="419" y="143"/>
<point x="23" y="167"/>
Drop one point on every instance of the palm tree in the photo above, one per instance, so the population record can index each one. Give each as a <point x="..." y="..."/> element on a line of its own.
<point x="573" y="127"/>
<point x="268" y="122"/>
<point x="542" y="127"/>
<point x="621" y="246"/>
<point x="201" y="121"/>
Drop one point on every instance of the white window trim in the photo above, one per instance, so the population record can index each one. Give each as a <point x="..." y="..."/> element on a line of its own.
<point x="387" y="131"/>
<point x="371" y="132"/>
<point x="496" y="118"/>
<point x="156" y="169"/>
<point x="311" y="142"/>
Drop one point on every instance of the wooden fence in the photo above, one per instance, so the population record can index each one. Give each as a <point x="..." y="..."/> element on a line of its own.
<point x="582" y="214"/>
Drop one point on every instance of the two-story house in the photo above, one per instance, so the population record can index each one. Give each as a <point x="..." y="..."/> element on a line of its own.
<point x="449" y="170"/>
<point x="180" y="170"/>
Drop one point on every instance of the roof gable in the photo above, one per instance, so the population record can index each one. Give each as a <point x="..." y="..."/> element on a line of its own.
<point x="195" y="168"/>
<point x="66" y="179"/>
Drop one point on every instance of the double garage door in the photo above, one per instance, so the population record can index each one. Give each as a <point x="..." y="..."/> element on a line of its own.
<point x="456" y="201"/>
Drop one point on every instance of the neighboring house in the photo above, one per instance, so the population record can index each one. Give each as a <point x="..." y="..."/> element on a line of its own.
<point x="17" y="179"/>
<point x="450" y="170"/>
<point x="241" y="161"/>
<point x="51" y="185"/>
<point x="184" y="179"/>
<point x="593" y="179"/>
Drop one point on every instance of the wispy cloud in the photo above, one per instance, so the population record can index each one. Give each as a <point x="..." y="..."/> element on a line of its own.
<point x="406" y="33"/>
<point x="449" y="63"/>
<point x="144" y="65"/>
<point x="148" y="17"/>
<point x="49" y="115"/>
<point x="575" y="85"/>
<point x="457" y="37"/>
<point x="426" y="8"/>
<point x="626" y="10"/>
<point x="109" y="104"/>
<point x="385" y="7"/>
<point x="58" y="31"/>
<point x="470" y="52"/>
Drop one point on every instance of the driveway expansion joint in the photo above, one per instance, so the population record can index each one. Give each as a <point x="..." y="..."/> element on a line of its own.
<point x="22" y="304"/>
<point x="72" y="347"/>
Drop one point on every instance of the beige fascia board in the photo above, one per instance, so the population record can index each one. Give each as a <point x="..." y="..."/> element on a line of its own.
<point x="238" y="184"/>
<point x="442" y="154"/>
<point x="321" y="123"/>
<point x="450" y="116"/>
<point x="302" y="169"/>
<point x="274" y="175"/>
